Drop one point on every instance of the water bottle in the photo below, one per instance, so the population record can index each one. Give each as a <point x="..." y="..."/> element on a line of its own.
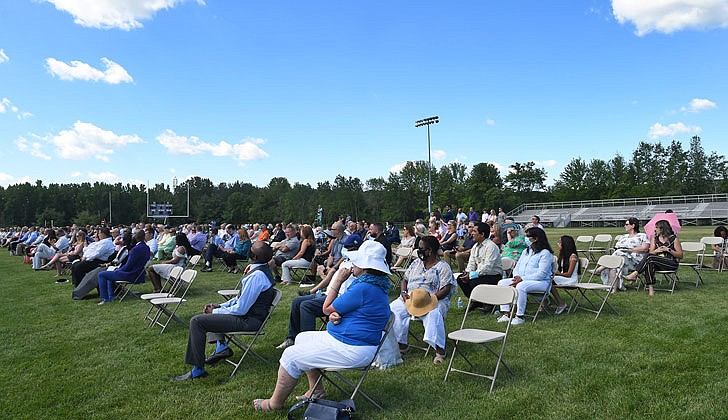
<point x="460" y="303"/>
<point x="319" y="293"/>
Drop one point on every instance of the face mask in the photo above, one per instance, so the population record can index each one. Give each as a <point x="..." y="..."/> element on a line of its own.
<point x="422" y="254"/>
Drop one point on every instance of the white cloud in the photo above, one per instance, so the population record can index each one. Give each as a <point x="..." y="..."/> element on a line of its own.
<point x="114" y="73"/>
<point x="6" y="105"/>
<point x="241" y="152"/>
<point x="490" y="121"/>
<point x="114" y="14"/>
<point x="6" y="179"/>
<point x="668" y="16"/>
<point x="3" y="57"/>
<point x="395" y="169"/>
<point x="85" y="140"/>
<point x="658" y="130"/>
<point x="699" y="105"/>
<point x="107" y="177"/>
<point x="439" y="154"/>
<point x="498" y="166"/>
<point x="136" y="181"/>
<point x="31" y="147"/>
<point x="546" y="163"/>
<point x="75" y="174"/>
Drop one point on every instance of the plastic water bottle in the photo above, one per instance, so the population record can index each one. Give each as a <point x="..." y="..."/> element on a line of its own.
<point x="460" y="303"/>
<point x="319" y="293"/>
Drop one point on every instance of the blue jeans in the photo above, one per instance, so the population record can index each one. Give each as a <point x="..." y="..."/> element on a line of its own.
<point x="304" y="311"/>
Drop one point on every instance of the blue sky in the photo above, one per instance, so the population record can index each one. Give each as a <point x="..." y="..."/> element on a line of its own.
<point x="145" y="90"/>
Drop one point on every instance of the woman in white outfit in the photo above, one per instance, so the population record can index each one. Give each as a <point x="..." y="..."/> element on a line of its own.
<point x="567" y="269"/>
<point x="427" y="287"/>
<point x="633" y="247"/>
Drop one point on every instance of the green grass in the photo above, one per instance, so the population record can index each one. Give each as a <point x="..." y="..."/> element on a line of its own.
<point x="662" y="358"/>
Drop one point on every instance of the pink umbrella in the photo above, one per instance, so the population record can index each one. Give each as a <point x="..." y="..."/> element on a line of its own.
<point x="671" y="219"/>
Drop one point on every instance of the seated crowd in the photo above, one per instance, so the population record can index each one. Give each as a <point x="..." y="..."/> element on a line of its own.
<point x="348" y="268"/>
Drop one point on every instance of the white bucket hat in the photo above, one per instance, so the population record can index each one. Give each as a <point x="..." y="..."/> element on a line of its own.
<point x="371" y="254"/>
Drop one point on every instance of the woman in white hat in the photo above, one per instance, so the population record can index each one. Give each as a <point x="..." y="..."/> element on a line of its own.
<point x="427" y="287"/>
<point x="357" y="319"/>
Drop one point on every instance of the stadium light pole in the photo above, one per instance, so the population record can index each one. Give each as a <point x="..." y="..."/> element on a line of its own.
<point x="419" y="123"/>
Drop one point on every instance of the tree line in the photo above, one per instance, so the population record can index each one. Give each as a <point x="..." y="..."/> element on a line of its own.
<point x="653" y="170"/>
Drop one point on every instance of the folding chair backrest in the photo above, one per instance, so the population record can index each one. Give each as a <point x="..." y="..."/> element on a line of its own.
<point x="186" y="280"/>
<point x="507" y="264"/>
<point x="610" y="261"/>
<point x="584" y="265"/>
<point x="585" y="240"/>
<point x="493" y="295"/>
<point x="404" y="251"/>
<point x="173" y="279"/>
<point x="711" y="240"/>
<point x="697" y="247"/>
<point x="193" y="261"/>
<point x="603" y="238"/>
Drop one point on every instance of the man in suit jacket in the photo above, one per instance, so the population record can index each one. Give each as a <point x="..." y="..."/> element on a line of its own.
<point x="131" y="271"/>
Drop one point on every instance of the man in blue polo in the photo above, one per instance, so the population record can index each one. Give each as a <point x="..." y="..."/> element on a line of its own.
<point x="218" y="248"/>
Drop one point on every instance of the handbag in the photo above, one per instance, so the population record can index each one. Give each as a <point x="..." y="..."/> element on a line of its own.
<point x="320" y="409"/>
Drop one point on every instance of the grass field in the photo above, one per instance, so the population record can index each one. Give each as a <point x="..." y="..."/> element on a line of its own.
<point x="664" y="357"/>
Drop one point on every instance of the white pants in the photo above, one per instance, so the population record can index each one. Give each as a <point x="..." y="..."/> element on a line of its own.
<point x="286" y="266"/>
<point x="433" y="321"/>
<point x="319" y="349"/>
<point x="42" y="252"/>
<point x="524" y="288"/>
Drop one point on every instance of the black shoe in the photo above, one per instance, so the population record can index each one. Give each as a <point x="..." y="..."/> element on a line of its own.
<point x="188" y="377"/>
<point x="216" y="357"/>
<point x="487" y="308"/>
<point x="206" y="269"/>
<point x="278" y="279"/>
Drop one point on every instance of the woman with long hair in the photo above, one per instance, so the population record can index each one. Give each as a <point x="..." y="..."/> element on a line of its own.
<point x="532" y="273"/>
<point x="665" y="254"/>
<point x="567" y="269"/>
<point x="304" y="256"/>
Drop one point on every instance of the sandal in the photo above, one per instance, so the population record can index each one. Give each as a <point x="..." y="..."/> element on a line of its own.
<point x="319" y="393"/>
<point x="405" y="350"/>
<point x="439" y="358"/>
<point x="258" y="405"/>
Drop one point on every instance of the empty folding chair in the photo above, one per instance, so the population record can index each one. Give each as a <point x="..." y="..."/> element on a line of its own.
<point x="236" y="337"/>
<point x="330" y="373"/>
<point x="169" y="289"/>
<point x="584" y="243"/>
<point x="492" y="295"/>
<point x="598" y="291"/>
<point x="193" y="261"/>
<point x="168" y="306"/>
<point x="600" y="245"/>
<point x="697" y="264"/>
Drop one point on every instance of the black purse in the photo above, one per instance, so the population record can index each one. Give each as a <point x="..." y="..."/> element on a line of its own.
<point x="320" y="409"/>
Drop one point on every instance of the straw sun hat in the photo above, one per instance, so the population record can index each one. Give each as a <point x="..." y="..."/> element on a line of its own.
<point x="420" y="302"/>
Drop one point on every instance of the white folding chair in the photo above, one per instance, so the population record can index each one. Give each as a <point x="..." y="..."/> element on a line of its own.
<point x="126" y="287"/>
<point x="169" y="289"/>
<point x="699" y="249"/>
<point x="193" y="261"/>
<point x="492" y="295"/>
<point x="163" y="305"/>
<point x="584" y="243"/>
<point x="600" y="245"/>
<point x="507" y="264"/>
<point x="709" y="241"/>
<point x="235" y="337"/>
<point x="356" y="388"/>
<point x="599" y="290"/>
<point x="407" y="254"/>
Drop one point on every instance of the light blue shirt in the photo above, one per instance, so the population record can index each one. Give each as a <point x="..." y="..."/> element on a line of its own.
<point x="62" y="244"/>
<point x="32" y="236"/>
<point x="153" y="246"/>
<point x="99" y="250"/>
<point x="253" y="285"/>
<point x="537" y="267"/>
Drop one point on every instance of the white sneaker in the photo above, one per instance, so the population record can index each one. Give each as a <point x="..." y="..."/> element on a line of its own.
<point x="560" y="309"/>
<point x="504" y="318"/>
<point x="285" y="344"/>
<point x="517" y="321"/>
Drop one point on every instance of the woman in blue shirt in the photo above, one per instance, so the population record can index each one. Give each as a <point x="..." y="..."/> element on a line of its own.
<point x="532" y="273"/>
<point x="356" y="321"/>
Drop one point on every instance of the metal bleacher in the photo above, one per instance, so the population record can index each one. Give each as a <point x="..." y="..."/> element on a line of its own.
<point x="709" y="209"/>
